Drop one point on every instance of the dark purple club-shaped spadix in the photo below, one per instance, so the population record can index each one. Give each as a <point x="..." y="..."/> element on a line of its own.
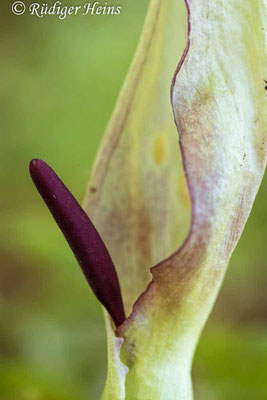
<point x="84" y="240"/>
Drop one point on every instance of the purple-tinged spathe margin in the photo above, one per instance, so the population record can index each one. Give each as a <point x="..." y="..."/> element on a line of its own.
<point x="122" y="329"/>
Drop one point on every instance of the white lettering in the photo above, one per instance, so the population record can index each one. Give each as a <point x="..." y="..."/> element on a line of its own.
<point x="52" y="10"/>
<point x="63" y="12"/>
<point x="93" y="8"/>
<point x="77" y="8"/>
<point x="89" y="8"/>
<point x="34" y="9"/>
<point x="118" y="10"/>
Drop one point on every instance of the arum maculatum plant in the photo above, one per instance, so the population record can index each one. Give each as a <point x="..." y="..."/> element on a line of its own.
<point x="143" y="191"/>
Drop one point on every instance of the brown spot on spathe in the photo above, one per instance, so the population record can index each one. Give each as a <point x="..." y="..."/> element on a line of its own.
<point x="159" y="150"/>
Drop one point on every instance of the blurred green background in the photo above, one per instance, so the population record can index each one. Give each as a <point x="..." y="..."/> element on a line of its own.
<point x="59" y="82"/>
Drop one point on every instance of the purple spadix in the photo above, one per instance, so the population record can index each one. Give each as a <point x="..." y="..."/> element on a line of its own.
<point x="83" y="238"/>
